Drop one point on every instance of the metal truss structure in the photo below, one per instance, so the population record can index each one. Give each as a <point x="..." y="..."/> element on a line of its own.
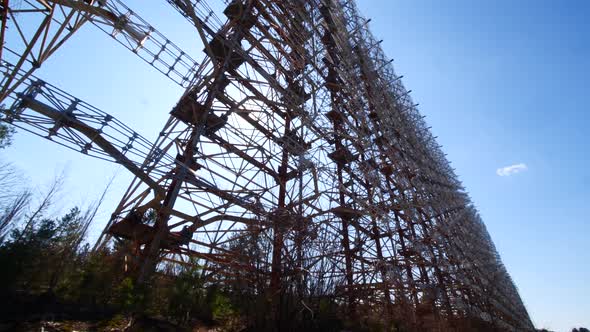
<point x="295" y="159"/>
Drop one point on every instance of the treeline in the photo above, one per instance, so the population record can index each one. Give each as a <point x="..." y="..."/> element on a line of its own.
<point x="49" y="272"/>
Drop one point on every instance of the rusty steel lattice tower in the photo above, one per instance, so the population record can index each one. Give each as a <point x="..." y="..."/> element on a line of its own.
<point x="295" y="160"/>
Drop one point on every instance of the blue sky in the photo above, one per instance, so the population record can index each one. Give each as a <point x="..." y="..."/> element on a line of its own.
<point x="504" y="83"/>
<point x="501" y="84"/>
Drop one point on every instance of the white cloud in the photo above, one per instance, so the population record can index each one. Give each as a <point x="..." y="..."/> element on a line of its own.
<point x="512" y="169"/>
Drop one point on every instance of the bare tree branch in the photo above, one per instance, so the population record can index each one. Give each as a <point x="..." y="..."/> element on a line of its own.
<point x="52" y="191"/>
<point x="13" y="212"/>
<point x="91" y="212"/>
<point x="15" y="197"/>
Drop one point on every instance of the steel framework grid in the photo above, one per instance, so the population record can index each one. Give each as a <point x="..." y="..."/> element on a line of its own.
<point x="296" y="138"/>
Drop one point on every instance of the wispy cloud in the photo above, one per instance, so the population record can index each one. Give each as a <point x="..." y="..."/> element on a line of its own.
<point x="512" y="169"/>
